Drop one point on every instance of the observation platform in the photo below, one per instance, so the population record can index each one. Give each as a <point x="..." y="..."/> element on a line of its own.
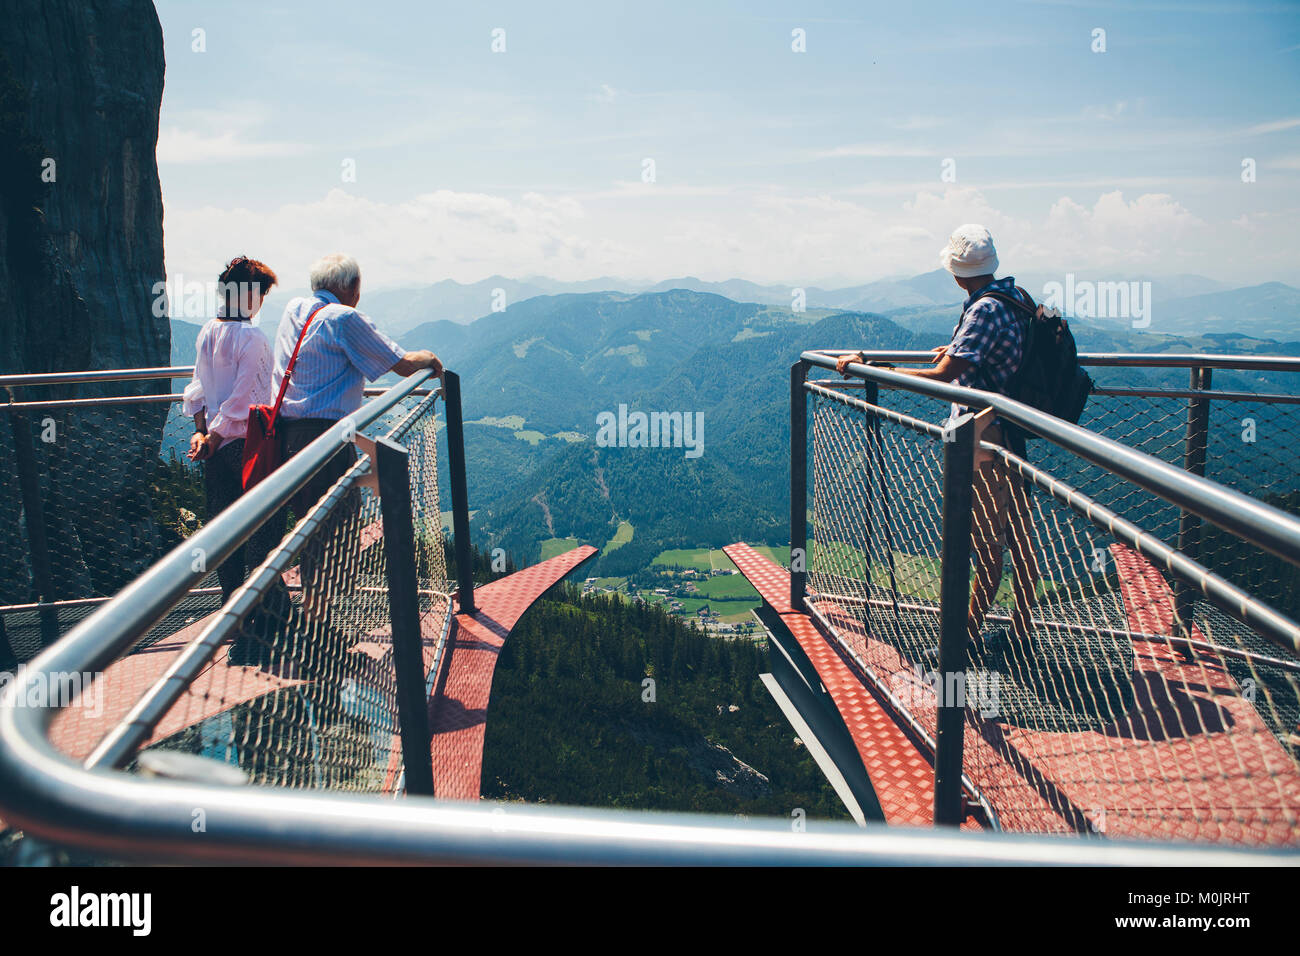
<point x="1235" y="783"/>
<point x="458" y="710"/>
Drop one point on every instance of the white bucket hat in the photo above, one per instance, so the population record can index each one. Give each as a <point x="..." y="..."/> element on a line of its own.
<point x="970" y="252"/>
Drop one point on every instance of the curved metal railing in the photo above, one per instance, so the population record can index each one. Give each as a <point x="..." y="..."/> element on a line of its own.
<point x="1158" y="663"/>
<point x="122" y="814"/>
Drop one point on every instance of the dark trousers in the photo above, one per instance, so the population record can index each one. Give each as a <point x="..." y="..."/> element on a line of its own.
<point x="329" y="562"/>
<point x="223" y="482"/>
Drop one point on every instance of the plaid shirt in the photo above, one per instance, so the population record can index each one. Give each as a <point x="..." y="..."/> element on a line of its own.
<point x="990" y="335"/>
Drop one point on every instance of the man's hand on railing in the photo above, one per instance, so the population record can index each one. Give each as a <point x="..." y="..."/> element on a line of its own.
<point x="412" y="362"/>
<point x="842" y="363"/>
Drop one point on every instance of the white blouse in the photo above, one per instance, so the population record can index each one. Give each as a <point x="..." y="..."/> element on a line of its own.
<point x="231" y="372"/>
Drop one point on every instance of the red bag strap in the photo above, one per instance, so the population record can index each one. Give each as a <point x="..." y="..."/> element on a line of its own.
<point x="293" y="360"/>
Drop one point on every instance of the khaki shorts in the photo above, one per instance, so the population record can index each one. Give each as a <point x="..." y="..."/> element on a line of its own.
<point x="998" y="496"/>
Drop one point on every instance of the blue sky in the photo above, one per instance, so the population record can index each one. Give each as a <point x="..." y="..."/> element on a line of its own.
<point x="824" y="166"/>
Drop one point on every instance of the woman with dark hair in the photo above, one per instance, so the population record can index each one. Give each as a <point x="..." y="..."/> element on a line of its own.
<point x="232" y="371"/>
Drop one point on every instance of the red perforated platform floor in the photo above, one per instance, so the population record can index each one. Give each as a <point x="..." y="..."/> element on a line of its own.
<point x="78" y="729"/>
<point x="1191" y="760"/>
<point x="458" y="715"/>
<point x="902" y="776"/>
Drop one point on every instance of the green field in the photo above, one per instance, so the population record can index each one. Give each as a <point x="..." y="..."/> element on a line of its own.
<point x="530" y="436"/>
<point x="553" y="546"/>
<point x="701" y="559"/>
<point x="704" y="559"/>
<point x="621" y="537"/>
<point x="512" y="422"/>
<point x="727" y="586"/>
<point x="445" y="517"/>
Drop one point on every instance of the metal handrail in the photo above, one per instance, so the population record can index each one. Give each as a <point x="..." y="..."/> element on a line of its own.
<point x="1263" y="363"/>
<point x="49" y="794"/>
<point x="1262" y="525"/>
<point x="113" y="629"/>
<point x="1278" y="628"/>
<point x="105" y="400"/>
<point x="1259" y="363"/>
<point x="100" y="375"/>
<point x="117" y="746"/>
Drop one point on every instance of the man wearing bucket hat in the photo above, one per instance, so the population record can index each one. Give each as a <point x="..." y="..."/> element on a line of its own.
<point x="985" y="352"/>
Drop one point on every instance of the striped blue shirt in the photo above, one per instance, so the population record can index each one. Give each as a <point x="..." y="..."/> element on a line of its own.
<point x="342" y="349"/>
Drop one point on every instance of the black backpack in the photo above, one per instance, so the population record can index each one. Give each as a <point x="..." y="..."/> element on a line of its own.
<point x="1050" y="377"/>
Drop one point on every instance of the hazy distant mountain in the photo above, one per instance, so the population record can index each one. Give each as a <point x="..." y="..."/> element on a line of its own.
<point x="398" y="310"/>
<point x="536" y="376"/>
<point x="1268" y="311"/>
<point x="927" y="289"/>
<point x="738" y="290"/>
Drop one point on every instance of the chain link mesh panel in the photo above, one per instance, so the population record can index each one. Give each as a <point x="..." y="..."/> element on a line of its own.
<point x="1085" y="709"/>
<point x="113" y="490"/>
<point x="305" y="694"/>
<point x="303" y="691"/>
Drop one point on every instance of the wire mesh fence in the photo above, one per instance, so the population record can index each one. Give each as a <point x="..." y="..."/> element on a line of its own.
<point x="94" y="489"/>
<point x="1087" y="708"/>
<point x="298" y="686"/>
<point x="305" y="693"/>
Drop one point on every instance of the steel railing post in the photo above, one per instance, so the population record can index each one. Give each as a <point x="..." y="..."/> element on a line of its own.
<point x="1195" y="444"/>
<point x="34" y="510"/>
<point x="871" y="395"/>
<point x="954" y="601"/>
<point x="798" y="485"/>
<point x="404" y="611"/>
<point x="459" y="493"/>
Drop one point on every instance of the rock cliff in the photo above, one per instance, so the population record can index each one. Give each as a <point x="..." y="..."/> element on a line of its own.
<point x="81" y="247"/>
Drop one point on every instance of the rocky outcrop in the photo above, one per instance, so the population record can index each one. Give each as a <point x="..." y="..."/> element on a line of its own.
<point x="81" y="248"/>
<point x="712" y="762"/>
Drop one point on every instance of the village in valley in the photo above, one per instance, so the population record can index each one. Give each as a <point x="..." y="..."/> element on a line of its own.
<point x="718" y="599"/>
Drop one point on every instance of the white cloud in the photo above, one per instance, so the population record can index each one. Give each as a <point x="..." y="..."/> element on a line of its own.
<point x="1276" y="126"/>
<point x="431" y="236"/>
<point x="177" y="146"/>
<point x="763" y="234"/>
<point x="872" y="151"/>
<point x="1153" y="230"/>
<point x="219" y="136"/>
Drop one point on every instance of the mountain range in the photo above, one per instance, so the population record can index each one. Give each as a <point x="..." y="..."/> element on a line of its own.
<point x="537" y="376"/>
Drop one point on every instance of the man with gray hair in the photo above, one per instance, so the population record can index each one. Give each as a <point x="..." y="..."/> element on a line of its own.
<point x="340" y="349"/>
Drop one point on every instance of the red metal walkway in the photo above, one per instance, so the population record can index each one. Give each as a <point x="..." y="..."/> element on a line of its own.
<point x="1191" y="760"/>
<point x="902" y="775"/>
<point x="78" y="729"/>
<point x="458" y="713"/>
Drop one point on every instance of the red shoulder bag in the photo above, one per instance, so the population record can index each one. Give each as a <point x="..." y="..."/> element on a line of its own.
<point x="261" y="445"/>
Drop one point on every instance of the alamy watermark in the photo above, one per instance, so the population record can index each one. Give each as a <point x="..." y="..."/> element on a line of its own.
<point x="53" y="689"/>
<point x="918" y="688"/>
<point x="178" y="299"/>
<point x="653" y="430"/>
<point x="1085" y="299"/>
